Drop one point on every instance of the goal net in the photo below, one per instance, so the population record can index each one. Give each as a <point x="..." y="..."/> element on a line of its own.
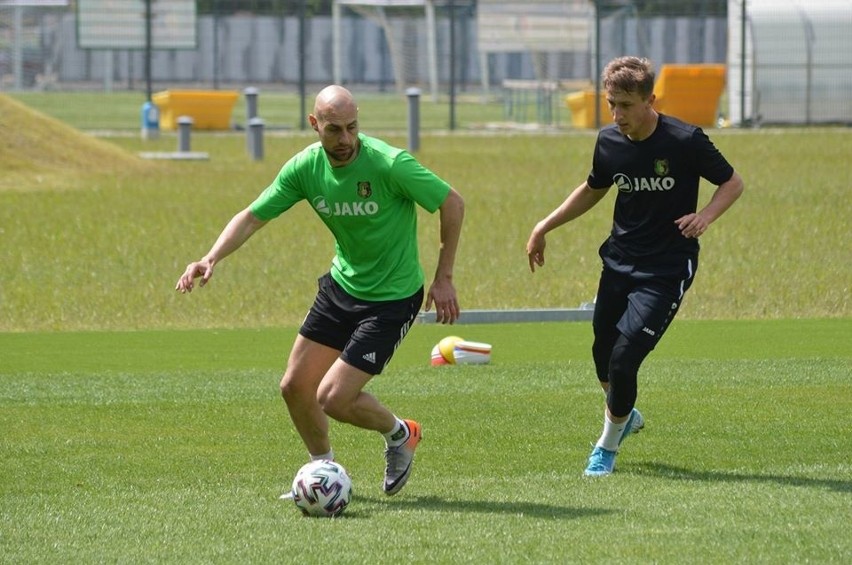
<point x="411" y="45"/>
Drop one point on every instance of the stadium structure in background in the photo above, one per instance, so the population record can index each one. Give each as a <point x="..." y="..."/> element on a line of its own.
<point x="787" y="61"/>
<point x="110" y="25"/>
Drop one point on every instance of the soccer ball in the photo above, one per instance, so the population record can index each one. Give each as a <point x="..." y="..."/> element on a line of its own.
<point x="322" y="488"/>
<point x="453" y="350"/>
<point x="442" y="354"/>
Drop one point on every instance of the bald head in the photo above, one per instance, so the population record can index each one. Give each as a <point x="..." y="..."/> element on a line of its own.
<point x="334" y="102"/>
<point x="335" y="119"/>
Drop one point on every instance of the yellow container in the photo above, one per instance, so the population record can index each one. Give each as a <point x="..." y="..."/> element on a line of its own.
<point x="209" y="109"/>
<point x="690" y="92"/>
<point x="582" y="107"/>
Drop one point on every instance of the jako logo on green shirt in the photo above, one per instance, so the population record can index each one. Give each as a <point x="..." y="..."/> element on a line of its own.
<point x="344" y="208"/>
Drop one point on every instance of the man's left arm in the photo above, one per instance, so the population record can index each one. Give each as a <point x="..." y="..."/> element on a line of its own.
<point x="442" y="292"/>
<point x="694" y="225"/>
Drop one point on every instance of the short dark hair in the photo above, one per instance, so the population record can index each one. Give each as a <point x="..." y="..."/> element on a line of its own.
<point x="629" y="74"/>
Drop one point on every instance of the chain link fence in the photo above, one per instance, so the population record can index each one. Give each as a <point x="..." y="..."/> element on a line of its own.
<point x="785" y="61"/>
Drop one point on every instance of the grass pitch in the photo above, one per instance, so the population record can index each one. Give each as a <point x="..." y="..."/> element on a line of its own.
<point x="136" y="429"/>
<point x="173" y="447"/>
<point x="103" y="248"/>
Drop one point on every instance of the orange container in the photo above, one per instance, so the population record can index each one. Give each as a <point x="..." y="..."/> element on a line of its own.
<point x="690" y="92"/>
<point x="209" y="109"/>
<point x="582" y="107"/>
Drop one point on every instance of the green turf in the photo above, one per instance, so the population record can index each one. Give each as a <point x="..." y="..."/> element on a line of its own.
<point x="120" y="111"/>
<point x="100" y="245"/>
<point x="136" y="429"/>
<point x="172" y="446"/>
<point x="107" y="255"/>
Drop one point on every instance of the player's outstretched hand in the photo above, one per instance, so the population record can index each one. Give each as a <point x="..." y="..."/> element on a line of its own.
<point x="535" y="250"/>
<point x="203" y="269"/>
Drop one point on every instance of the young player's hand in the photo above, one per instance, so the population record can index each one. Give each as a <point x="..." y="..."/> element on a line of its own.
<point x="535" y="250"/>
<point x="692" y="225"/>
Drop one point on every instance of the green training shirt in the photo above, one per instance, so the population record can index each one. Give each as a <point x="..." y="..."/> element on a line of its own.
<point x="369" y="206"/>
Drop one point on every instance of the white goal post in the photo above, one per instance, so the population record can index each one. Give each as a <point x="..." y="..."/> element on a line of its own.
<point x="377" y="13"/>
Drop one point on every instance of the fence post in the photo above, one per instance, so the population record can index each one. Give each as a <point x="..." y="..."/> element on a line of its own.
<point x="255" y="137"/>
<point x="251" y="94"/>
<point x="184" y="129"/>
<point x="251" y="102"/>
<point x="413" y="119"/>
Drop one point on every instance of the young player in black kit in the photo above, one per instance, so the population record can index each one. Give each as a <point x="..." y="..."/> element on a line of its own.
<point x="651" y="255"/>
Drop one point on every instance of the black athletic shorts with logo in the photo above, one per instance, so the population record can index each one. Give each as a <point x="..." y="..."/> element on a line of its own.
<point x="367" y="333"/>
<point x="641" y="299"/>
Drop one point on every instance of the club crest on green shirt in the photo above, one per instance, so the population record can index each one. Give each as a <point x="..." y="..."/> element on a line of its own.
<point x="364" y="190"/>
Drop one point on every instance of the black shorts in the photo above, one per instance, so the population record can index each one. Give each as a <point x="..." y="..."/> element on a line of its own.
<point x="367" y="333"/>
<point x="641" y="301"/>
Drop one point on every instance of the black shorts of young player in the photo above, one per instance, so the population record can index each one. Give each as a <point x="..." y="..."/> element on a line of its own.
<point x="634" y="307"/>
<point x="367" y="333"/>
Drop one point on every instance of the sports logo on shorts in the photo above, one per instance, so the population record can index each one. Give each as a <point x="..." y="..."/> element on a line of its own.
<point x="364" y="189"/>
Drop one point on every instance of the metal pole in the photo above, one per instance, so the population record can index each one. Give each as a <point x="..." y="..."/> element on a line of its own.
<point x="452" y="6"/>
<point x="251" y="102"/>
<point x="256" y="137"/>
<point x="809" y="63"/>
<point x="743" y="64"/>
<point x="17" y="61"/>
<point x="413" y="119"/>
<point x="432" y="48"/>
<point x="184" y="129"/>
<point x="597" y="69"/>
<point x="109" y="60"/>
<point x="383" y="60"/>
<point x="130" y="71"/>
<point x="148" y="49"/>
<point x="337" y="74"/>
<point x="216" y="48"/>
<point x="251" y="113"/>
<point x="303" y="124"/>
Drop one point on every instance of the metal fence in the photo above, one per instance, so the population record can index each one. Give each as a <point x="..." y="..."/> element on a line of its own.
<point x="393" y="48"/>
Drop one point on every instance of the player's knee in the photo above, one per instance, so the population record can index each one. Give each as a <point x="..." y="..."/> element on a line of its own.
<point x="334" y="405"/>
<point x="293" y="388"/>
<point x="623" y="374"/>
<point x="601" y="356"/>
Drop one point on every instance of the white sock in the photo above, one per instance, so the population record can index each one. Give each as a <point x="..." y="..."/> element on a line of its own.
<point x="398" y="435"/>
<point x="323" y="456"/>
<point x="612" y="433"/>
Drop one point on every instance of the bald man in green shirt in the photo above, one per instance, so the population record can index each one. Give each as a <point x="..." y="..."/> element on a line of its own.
<point x="366" y="192"/>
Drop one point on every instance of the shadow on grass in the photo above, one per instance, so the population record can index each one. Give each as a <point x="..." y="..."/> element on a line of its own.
<point x="437" y="504"/>
<point x="684" y="474"/>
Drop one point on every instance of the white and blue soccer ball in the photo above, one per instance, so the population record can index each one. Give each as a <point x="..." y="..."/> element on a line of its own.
<point x="322" y="489"/>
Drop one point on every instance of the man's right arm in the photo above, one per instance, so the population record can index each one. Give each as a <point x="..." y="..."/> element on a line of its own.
<point x="241" y="227"/>
<point x="580" y="201"/>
